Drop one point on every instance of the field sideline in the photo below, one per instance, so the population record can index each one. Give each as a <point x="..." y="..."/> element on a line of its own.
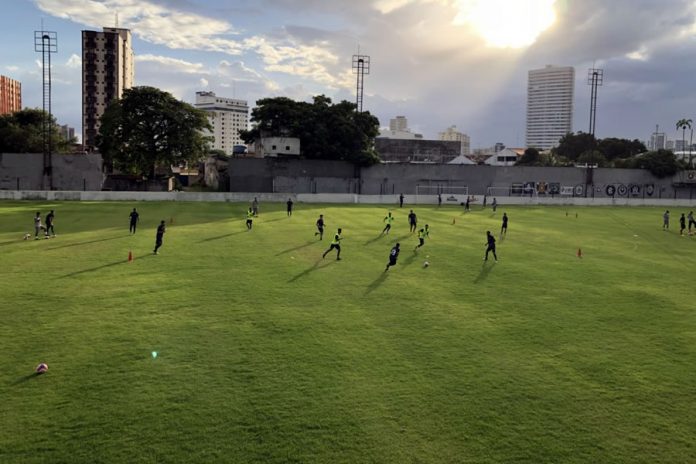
<point x="269" y="353"/>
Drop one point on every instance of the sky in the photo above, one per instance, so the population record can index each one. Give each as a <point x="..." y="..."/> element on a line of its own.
<point x="437" y="62"/>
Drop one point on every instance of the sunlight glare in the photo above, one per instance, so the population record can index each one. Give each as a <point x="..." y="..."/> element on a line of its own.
<point x="507" y="23"/>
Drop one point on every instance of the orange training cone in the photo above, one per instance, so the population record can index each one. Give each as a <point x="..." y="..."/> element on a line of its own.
<point x="130" y="256"/>
<point x="579" y="253"/>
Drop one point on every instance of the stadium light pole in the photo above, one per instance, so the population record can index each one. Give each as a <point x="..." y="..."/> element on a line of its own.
<point x="595" y="78"/>
<point x="46" y="43"/>
<point x="361" y="67"/>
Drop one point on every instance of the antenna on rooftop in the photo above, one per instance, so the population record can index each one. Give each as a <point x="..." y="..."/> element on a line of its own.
<point x="116" y="20"/>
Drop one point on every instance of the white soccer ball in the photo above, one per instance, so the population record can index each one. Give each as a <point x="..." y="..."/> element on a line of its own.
<point x="27" y="236"/>
<point x="426" y="264"/>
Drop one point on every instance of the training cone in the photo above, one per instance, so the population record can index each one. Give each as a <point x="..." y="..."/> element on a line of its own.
<point x="130" y="256"/>
<point x="579" y="252"/>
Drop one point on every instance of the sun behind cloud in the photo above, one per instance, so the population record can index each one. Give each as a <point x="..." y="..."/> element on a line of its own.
<point x="507" y="23"/>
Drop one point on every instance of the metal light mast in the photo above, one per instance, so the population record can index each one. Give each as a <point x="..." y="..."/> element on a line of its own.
<point x="361" y="67"/>
<point x="46" y="43"/>
<point x="595" y="78"/>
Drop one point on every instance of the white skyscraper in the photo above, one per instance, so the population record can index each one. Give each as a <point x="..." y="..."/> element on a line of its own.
<point x="549" y="105"/>
<point x="452" y="134"/>
<point x="227" y="116"/>
<point x="400" y="123"/>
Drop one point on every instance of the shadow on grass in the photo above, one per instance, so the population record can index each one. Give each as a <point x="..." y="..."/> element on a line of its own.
<point x="371" y="241"/>
<point x="377" y="282"/>
<point x="308" y="271"/>
<point x="26" y="378"/>
<point x="290" y="250"/>
<point x="103" y="266"/>
<point x="11" y="242"/>
<point x="86" y="243"/>
<point x="220" y="237"/>
<point x="483" y="274"/>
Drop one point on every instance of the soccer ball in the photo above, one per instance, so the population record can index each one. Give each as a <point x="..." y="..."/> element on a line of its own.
<point x="27" y="236"/>
<point x="41" y="368"/>
<point x="426" y="264"/>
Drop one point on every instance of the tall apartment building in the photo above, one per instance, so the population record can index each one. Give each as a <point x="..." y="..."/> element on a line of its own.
<point x="550" y="94"/>
<point x="107" y="70"/>
<point x="227" y="116"/>
<point x="399" y="123"/>
<point x="10" y="95"/>
<point x="453" y="135"/>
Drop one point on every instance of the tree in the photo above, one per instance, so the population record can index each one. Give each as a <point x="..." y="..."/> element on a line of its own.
<point x="326" y="130"/>
<point x="662" y="163"/>
<point x="571" y="146"/>
<point x="592" y="157"/>
<point x="22" y="132"/>
<point x="529" y="158"/>
<point x="149" y="129"/>
<point x="614" y="148"/>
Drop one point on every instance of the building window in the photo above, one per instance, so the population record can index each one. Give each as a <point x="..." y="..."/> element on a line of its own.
<point x="273" y="147"/>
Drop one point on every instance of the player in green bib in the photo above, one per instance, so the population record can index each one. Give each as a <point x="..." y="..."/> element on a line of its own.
<point x="250" y="218"/>
<point x="422" y="235"/>
<point x="336" y="243"/>
<point x="388" y="219"/>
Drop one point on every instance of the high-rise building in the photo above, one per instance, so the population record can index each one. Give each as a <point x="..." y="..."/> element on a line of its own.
<point x="399" y="123"/>
<point x="67" y="132"/>
<point x="227" y="116"/>
<point x="10" y="95"/>
<point x="549" y="105"/>
<point x="658" y="141"/>
<point x="452" y="134"/>
<point x="107" y="70"/>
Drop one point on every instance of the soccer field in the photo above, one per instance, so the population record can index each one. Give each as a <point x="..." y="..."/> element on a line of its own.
<point x="268" y="353"/>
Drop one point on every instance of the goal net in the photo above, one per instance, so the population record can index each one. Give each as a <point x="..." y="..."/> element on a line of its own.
<point x="513" y="190"/>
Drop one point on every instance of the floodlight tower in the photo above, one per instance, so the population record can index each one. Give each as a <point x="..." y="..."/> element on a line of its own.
<point x="46" y="42"/>
<point x="595" y="78"/>
<point x="361" y="67"/>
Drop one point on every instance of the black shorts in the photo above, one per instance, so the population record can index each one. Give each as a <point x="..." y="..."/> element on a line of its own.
<point x="392" y="261"/>
<point x="333" y="245"/>
<point x="249" y="221"/>
<point x="422" y="241"/>
<point x="320" y="229"/>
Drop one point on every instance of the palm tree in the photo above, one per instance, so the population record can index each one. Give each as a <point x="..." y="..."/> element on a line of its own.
<point x="684" y="124"/>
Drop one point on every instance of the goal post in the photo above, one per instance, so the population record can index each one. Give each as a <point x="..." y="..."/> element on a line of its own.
<point x="513" y="190"/>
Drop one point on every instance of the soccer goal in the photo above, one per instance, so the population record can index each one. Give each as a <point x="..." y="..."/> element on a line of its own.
<point x="514" y="190"/>
<point x="448" y="193"/>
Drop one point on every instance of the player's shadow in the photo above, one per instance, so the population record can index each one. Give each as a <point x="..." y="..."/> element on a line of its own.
<point x="26" y="378"/>
<point x="308" y="271"/>
<point x="219" y="237"/>
<point x="8" y="243"/>
<point x="86" y="243"/>
<point x="377" y="282"/>
<point x="290" y="250"/>
<point x="373" y="240"/>
<point x="103" y="266"/>
<point x="483" y="274"/>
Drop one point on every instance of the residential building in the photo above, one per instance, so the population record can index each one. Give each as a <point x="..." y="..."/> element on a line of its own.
<point x="452" y="134"/>
<point x="505" y="157"/>
<point x="658" y="141"/>
<point x="67" y="132"/>
<point x="398" y="129"/>
<point x="10" y="95"/>
<point x="549" y="105"/>
<point x="227" y="116"/>
<point x="400" y="123"/>
<point x="107" y="70"/>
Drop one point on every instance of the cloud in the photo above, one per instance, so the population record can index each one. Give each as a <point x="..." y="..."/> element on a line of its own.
<point x="74" y="61"/>
<point x="172" y="64"/>
<point x="203" y="82"/>
<point x="12" y="68"/>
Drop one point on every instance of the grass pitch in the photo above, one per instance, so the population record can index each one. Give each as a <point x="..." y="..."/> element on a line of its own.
<point x="269" y="353"/>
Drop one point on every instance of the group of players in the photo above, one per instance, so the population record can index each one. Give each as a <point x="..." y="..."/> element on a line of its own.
<point x="47" y="228"/>
<point x="682" y="222"/>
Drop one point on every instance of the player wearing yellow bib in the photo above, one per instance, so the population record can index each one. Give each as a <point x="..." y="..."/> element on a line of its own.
<point x="422" y="235"/>
<point x="335" y="244"/>
<point x="250" y="218"/>
<point x="388" y="219"/>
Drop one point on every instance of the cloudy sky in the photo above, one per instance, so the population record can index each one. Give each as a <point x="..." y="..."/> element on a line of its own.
<point x="437" y="62"/>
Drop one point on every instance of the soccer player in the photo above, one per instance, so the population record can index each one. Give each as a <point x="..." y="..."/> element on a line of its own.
<point x="161" y="229"/>
<point x="690" y="217"/>
<point x="412" y="221"/>
<point x="439" y="200"/>
<point x="503" y="228"/>
<point x="682" y="224"/>
<point x="250" y="218"/>
<point x="490" y="246"/>
<point x="38" y="227"/>
<point x="134" y="218"/>
<point x="466" y="205"/>
<point x="401" y="200"/>
<point x="335" y="244"/>
<point x="422" y="235"/>
<point x="393" y="255"/>
<point x="289" y="203"/>
<point x="49" y="224"/>
<point x="388" y="219"/>
<point x="665" y="220"/>
<point x="320" y="227"/>
<point x="494" y="204"/>
<point x="255" y="207"/>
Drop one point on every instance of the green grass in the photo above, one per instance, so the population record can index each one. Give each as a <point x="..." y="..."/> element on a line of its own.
<point x="267" y="353"/>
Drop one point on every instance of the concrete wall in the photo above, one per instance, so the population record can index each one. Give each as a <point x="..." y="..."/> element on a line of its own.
<point x="305" y="176"/>
<point x="70" y="172"/>
<point x="343" y="198"/>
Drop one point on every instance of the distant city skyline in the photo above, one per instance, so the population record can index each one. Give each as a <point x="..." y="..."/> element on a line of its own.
<point x="439" y="63"/>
